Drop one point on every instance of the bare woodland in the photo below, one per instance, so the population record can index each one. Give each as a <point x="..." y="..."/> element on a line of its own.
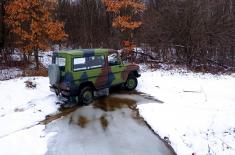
<point x="188" y="32"/>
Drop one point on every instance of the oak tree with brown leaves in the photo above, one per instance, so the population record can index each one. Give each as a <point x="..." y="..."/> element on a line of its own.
<point x="126" y="19"/>
<point x="32" y="23"/>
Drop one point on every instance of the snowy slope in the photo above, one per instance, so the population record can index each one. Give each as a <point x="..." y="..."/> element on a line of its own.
<point x="21" y="109"/>
<point x="198" y="113"/>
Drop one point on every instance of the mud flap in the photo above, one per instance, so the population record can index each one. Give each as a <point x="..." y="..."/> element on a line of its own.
<point x="66" y="102"/>
<point x="62" y="100"/>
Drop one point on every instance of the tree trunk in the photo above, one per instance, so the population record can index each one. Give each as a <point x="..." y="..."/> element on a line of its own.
<point x="36" y="59"/>
<point x="2" y="28"/>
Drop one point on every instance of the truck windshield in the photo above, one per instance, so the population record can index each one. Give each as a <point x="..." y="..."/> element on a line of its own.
<point x="113" y="59"/>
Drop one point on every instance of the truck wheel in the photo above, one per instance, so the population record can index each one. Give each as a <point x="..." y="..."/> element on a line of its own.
<point x="86" y="96"/>
<point x="131" y="83"/>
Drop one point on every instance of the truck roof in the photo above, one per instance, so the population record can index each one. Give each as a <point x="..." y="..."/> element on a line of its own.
<point x="86" y="52"/>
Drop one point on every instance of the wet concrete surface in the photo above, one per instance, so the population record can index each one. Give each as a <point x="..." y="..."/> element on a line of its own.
<point x="109" y="126"/>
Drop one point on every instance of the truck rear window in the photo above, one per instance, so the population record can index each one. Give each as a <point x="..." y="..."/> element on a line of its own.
<point x="60" y="61"/>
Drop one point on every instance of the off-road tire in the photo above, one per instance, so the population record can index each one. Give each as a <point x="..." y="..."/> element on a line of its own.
<point x="131" y="83"/>
<point x="86" y="96"/>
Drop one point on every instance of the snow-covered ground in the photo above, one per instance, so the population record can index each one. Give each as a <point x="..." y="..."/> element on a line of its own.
<point x="10" y="73"/>
<point x="198" y="113"/>
<point x="21" y="109"/>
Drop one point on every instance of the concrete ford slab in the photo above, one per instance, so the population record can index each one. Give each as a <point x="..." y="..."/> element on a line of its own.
<point x="78" y="75"/>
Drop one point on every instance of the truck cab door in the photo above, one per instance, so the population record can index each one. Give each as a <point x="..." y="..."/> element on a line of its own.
<point x="116" y="69"/>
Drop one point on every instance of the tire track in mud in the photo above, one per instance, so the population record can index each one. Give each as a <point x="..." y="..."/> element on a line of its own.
<point x="29" y="105"/>
<point x="104" y="104"/>
<point x="107" y="108"/>
<point x="62" y="112"/>
<point x="49" y="118"/>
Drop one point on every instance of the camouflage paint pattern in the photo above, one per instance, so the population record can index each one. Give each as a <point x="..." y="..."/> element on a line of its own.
<point x="102" y="77"/>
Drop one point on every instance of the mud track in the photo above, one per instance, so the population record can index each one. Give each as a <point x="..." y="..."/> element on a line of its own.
<point x="109" y="109"/>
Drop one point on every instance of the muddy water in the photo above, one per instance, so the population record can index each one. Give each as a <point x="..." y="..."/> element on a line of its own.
<point x="113" y="103"/>
<point x="110" y="126"/>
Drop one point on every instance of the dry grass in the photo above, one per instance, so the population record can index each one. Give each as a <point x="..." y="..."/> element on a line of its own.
<point x="30" y="84"/>
<point x="42" y="71"/>
<point x="29" y="72"/>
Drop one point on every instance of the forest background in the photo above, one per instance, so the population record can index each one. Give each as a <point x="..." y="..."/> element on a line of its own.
<point x="199" y="34"/>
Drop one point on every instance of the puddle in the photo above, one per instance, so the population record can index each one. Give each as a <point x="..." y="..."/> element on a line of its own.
<point x="117" y="99"/>
<point x="110" y="125"/>
<point x="104" y="122"/>
<point x="82" y="121"/>
<point x="104" y="103"/>
<point x="135" y="92"/>
<point x="113" y="103"/>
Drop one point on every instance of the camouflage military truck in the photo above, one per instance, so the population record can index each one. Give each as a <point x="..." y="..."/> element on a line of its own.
<point x="82" y="74"/>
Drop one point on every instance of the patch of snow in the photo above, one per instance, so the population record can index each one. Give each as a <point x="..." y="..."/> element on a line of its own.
<point x="6" y="74"/>
<point x="21" y="109"/>
<point x="16" y="56"/>
<point x="30" y="141"/>
<point x="46" y="58"/>
<point x="198" y="113"/>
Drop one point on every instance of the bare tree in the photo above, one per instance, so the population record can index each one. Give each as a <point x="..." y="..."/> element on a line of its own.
<point x="198" y="31"/>
<point x="87" y="24"/>
<point x="2" y="25"/>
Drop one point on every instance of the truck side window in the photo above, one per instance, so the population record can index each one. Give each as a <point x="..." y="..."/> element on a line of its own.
<point x="79" y="64"/>
<point x="95" y="62"/>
